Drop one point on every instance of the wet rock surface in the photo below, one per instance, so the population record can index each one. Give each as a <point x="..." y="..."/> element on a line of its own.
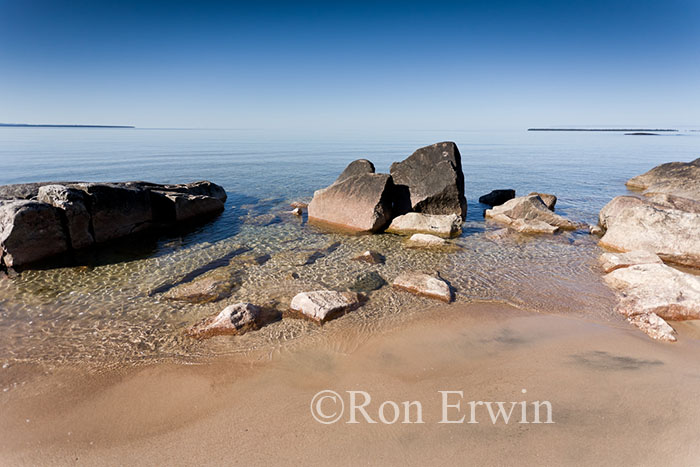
<point x="325" y="305"/>
<point x="424" y="284"/>
<point x="447" y="225"/>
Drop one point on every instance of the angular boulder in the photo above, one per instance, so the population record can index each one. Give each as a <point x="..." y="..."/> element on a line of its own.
<point x="676" y="178"/>
<point x="529" y="214"/>
<point x="360" y="202"/>
<point x="446" y="225"/>
<point x="424" y="241"/>
<point x="171" y="207"/>
<point x="549" y="200"/>
<point x="497" y="197"/>
<point x="325" y="305"/>
<point x="431" y="181"/>
<point x="233" y="320"/>
<point x="30" y="231"/>
<point x="632" y="223"/>
<point x="611" y="261"/>
<point x="657" y="288"/>
<point x="654" y="326"/>
<point x="425" y="285"/>
<point x="357" y="167"/>
<point x="73" y="204"/>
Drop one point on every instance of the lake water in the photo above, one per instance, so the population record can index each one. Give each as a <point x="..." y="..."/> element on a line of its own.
<point x="104" y="311"/>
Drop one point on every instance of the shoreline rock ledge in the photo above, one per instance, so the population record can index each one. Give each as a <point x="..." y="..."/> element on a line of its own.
<point x="41" y="220"/>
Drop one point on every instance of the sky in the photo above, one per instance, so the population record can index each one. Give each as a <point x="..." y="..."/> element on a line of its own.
<point x="351" y="65"/>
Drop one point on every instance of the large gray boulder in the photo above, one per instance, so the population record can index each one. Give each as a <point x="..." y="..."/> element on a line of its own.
<point x="632" y="223"/>
<point x="431" y="181"/>
<point x="360" y="202"/>
<point x="73" y="206"/>
<point x="117" y="210"/>
<point x="529" y="214"/>
<point x="358" y="167"/>
<point x="178" y="207"/>
<point x="29" y="232"/>
<point x="677" y="178"/>
<point x="446" y="225"/>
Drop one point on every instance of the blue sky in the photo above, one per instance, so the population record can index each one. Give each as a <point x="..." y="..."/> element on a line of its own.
<point x="351" y="65"/>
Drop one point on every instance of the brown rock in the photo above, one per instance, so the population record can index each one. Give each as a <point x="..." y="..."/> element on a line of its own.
<point x="425" y="285"/>
<point x="325" y="305"/>
<point x="233" y="320"/>
<point x="549" y="200"/>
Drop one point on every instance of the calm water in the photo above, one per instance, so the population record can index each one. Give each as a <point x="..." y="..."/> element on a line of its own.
<point x="104" y="311"/>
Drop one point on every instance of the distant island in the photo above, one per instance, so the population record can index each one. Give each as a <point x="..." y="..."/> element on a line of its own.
<point x="27" y="125"/>
<point x="636" y="130"/>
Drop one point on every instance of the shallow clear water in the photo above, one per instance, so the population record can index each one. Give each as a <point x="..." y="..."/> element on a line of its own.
<point x="105" y="311"/>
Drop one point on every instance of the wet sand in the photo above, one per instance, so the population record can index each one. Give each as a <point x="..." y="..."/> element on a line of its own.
<point x="617" y="398"/>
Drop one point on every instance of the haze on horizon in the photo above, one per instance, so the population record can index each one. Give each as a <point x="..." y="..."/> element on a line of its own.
<point x="351" y="65"/>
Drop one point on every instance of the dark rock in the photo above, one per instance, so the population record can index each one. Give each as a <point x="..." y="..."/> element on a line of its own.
<point x="25" y="190"/>
<point x="430" y="181"/>
<point x="367" y="282"/>
<point x="549" y="200"/>
<point x="360" y="203"/>
<point x="30" y="231"/>
<point x="497" y="197"/>
<point x="172" y="207"/>
<point x="73" y="204"/>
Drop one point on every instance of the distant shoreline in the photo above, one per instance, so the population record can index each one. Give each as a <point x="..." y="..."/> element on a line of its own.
<point x="27" y="125"/>
<point x="605" y="129"/>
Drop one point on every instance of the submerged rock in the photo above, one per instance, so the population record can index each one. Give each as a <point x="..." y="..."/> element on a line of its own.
<point x="431" y="181"/>
<point x="425" y="285"/>
<point x="447" y="225"/>
<point x="358" y="201"/>
<point x="529" y="214"/>
<point x="654" y="326"/>
<point x="497" y="197"/>
<point x="611" y="261"/>
<point x="30" y="231"/>
<point x="233" y="320"/>
<point x="370" y="257"/>
<point x="424" y="240"/>
<point x="325" y="305"/>
<point x="549" y="200"/>
<point x="657" y="288"/>
<point x="632" y="223"/>
<point x="367" y="282"/>
<point x="210" y="287"/>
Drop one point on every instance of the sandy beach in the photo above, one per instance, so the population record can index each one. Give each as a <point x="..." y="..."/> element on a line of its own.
<point x="617" y="397"/>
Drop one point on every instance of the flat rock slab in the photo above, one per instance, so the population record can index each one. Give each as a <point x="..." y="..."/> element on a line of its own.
<point x="529" y="214"/>
<point x="233" y="320"/>
<point x="676" y="178"/>
<point x="611" y="261"/>
<point x="657" y="288"/>
<point x="425" y="285"/>
<point x="325" y="305"/>
<point x="445" y="225"/>
<point x="633" y="223"/>
<point x="654" y="326"/>
<point x="424" y="241"/>
<point x="210" y="287"/>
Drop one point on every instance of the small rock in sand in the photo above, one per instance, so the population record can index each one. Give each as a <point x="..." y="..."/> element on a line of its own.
<point x="424" y="240"/>
<point x="424" y="284"/>
<point x="324" y="305"/>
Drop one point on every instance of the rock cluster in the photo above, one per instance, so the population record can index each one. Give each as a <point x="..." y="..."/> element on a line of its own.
<point x="662" y="226"/>
<point x="39" y="220"/>
<point x="430" y="182"/>
<point x="529" y="214"/>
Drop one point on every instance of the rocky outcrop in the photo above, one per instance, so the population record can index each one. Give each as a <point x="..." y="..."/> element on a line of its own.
<point x="233" y="320"/>
<point x="30" y="231"/>
<point x="497" y="197"/>
<point x="632" y="223"/>
<point x="549" y="200"/>
<point x="324" y="305"/>
<point x="681" y="179"/>
<point x="431" y="181"/>
<point x="657" y="288"/>
<point x="40" y="220"/>
<point x="424" y="241"/>
<point x="611" y="261"/>
<point x="448" y="225"/>
<point x="425" y="285"/>
<point x="529" y="214"/>
<point x="358" y="201"/>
